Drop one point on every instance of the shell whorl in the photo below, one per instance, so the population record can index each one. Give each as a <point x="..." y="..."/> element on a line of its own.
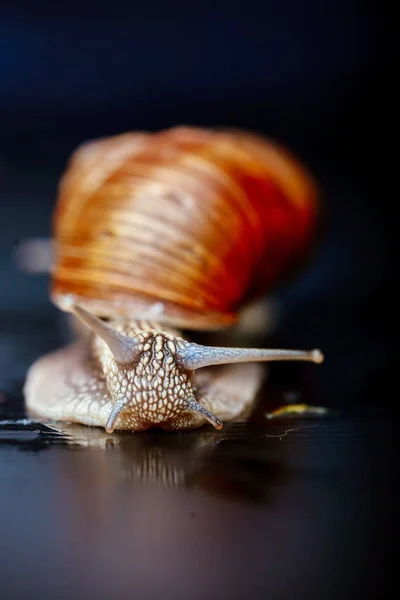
<point x="188" y="220"/>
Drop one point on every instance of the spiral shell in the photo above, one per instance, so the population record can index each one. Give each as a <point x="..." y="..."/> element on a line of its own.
<point x="192" y="221"/>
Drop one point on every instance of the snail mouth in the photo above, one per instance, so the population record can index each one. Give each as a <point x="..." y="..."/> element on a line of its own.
<point x="114" y="414"/>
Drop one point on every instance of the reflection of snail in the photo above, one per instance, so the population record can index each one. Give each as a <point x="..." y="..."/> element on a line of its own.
<point x="176" y="229"/>
<point x="151" y="458"/>
<point x="238" y="463"/>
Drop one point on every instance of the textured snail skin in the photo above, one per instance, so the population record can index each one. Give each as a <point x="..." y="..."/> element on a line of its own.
<point x="83" y="383"/>
<point x="174" y="229"/>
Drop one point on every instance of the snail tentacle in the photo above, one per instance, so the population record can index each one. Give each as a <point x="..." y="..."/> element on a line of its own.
<point x="195" y="356"/>
<point x="125" y="349"/>
<point x="114" y="414"/>
<point x="196" y="407"/>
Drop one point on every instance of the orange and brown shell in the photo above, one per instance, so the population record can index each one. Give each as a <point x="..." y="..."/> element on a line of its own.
<point x="194" y="221"/>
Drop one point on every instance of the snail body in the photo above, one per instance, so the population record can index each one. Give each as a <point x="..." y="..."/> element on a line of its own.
<point x="154" y="232"/>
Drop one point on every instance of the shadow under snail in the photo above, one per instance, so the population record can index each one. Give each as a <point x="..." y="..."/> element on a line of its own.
<point x="159" y="231"/>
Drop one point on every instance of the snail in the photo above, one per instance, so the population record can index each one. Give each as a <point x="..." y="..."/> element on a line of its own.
<point x="155" y="234"/>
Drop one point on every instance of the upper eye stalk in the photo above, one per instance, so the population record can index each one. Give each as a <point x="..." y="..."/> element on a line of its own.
<point x="191" y="356"/>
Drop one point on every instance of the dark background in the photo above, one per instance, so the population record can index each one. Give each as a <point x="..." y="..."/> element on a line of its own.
<point x="258" y="510"/>
<point x="306" y="73"/>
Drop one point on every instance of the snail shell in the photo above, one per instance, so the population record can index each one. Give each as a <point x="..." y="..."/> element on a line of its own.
<point x="197" y="220"/>
<point x="181" y="227"/>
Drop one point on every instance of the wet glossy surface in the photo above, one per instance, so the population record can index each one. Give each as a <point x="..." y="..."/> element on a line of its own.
<point x="283" y="509"/>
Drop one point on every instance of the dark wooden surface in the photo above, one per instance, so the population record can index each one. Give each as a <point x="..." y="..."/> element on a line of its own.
<point x="294" y="509"/>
